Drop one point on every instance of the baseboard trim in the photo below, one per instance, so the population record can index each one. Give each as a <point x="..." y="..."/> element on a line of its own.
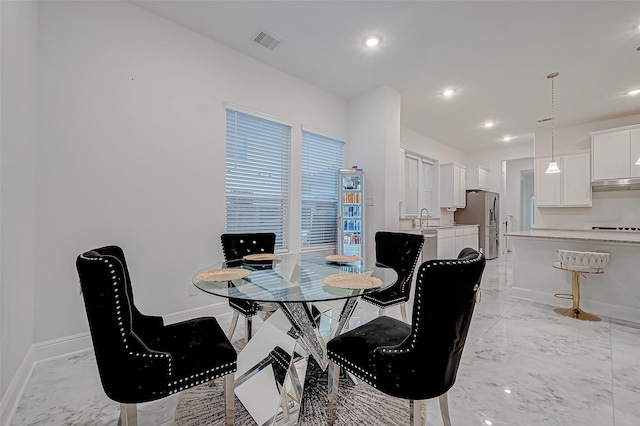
<point x="14" y="392"/>
<point x="78" y="342"/>
<point x="214" y="310"/>
<point x="597" y="308"/>
<point x="62" y="346"/>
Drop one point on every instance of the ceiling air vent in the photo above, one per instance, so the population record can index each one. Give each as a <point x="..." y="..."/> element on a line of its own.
<point x="266" y="40"/>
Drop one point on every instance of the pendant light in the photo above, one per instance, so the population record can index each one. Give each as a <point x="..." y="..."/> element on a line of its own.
<point x="553" y="165"/>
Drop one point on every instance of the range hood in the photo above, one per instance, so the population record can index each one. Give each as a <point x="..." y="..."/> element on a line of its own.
<point x="622" y="184"/>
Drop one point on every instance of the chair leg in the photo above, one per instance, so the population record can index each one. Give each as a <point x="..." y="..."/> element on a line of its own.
<point x="128" y="415"/>
<point x="234" y="323"/>
<point x="334" y="384"/>
<point x="403" y="312"/>
<point x="444" y="409"/>
<point x="415" y="412"/>
<point x="247" y="329"/>
<point x="229" y="402"/>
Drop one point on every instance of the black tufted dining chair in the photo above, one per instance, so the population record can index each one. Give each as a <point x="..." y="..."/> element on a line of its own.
<point x="400" y="252"/>
<point x="139" y="358"/>
<point x="234" y="248"/>
<point x="420" y="360"/>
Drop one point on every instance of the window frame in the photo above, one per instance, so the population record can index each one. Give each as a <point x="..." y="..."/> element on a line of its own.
<point x="274" y="198"/>
<point x="434" y="208"/>
<point x="322" y="199"/>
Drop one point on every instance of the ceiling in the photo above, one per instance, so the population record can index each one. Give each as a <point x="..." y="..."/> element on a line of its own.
<point x="496" y="54"/>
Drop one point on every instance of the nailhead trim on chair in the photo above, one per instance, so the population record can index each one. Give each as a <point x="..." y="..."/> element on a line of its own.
<point x="193" y="380"/>
<point x="115" y="279"/>
<point x="350" y="365"/>
<point x="418" y="307"/>
<point x="177" y="385"/>
<point x="400" y="300"/>
<point x="371" y="377"/>
<point x="278" y="358"/>
<point x="388" y="304"/>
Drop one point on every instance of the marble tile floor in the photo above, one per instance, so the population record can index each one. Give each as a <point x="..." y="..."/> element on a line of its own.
<point x="523" y="365"/>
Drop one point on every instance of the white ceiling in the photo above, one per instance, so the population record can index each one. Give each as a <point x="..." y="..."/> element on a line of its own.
<point x="497" y="54"/>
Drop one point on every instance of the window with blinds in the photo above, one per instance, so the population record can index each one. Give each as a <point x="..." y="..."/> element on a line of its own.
<point x="257" y="176"/>
<point x="321" y="159"/>
<point x="428" y="178"/>
<point x="419" y="185"/>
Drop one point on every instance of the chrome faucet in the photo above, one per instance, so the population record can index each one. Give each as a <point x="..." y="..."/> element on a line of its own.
<point x="428" y="216"/>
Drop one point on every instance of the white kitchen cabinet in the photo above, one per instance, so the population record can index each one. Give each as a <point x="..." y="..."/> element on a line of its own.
<point x="576" y="180"/>
<point x="569" y="188"/>
<point x="615" y="152"/>
<point x="447" y="244"/>
<point x="470" y="238"/>
<point x="611" y="153"/>
<point x="452" y="186"/>
<point x="478" y="178"/>
<point x="547" y="185"/>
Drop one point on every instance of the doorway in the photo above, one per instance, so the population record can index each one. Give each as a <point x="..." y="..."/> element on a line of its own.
<point x="518" y="196"/>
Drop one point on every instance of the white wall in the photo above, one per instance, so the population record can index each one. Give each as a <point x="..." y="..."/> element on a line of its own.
<point x="374" y="135"/>
<point x="18" y="108"/>
<point x="492" y="158"/>
<point x="132" y="150"/>
<point x="512" y="203"/>
<point x="428" y="147"/>
<point x="620" y="208"/>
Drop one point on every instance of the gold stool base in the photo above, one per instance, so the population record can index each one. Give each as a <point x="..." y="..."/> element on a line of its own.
<point x="576" y="313"/>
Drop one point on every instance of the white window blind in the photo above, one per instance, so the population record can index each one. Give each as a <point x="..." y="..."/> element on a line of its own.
<point x="419" y="185"/>
<point x="428" y="171"/>
<point x="257" y="176"/>
<point x="412" y="185"/>
<point x="321" y="159"/>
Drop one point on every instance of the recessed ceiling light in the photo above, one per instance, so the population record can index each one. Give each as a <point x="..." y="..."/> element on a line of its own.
<point x="447" y="93"/>
<point x="507" y="138"/>
<point x="372" y="41"/>
<point x="488" y="124"/>
<point x="634" y="92"/>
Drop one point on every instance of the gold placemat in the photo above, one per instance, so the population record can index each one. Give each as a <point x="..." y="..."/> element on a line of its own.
<point x="222" y="275"/>
<point x="354" y="281"/>
<point x="262" y="256"/>
<point x="340" y="258"/>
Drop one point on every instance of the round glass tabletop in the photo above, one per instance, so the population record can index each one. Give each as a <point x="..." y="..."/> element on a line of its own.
<point x="289" y="278"/>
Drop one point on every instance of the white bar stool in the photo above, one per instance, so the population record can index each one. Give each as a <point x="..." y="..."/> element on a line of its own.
<point x="579" y="263"/>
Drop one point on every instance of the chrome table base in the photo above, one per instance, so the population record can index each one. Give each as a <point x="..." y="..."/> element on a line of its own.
<point x="272" y="366"/>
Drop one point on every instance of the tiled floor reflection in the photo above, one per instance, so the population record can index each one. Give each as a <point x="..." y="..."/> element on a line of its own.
<point x="523" y="365"/>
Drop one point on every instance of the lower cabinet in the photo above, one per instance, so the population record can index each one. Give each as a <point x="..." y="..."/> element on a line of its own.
<point x="470" y="238"/>
<point x="449" y="242"/>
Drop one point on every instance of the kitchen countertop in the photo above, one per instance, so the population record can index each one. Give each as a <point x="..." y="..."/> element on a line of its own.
<point x="436" y="228"/>
<point x="630" y="237"/>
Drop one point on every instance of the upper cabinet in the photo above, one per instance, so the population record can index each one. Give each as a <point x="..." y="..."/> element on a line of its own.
<point x="615" y="152"/>
<point x="453" y="186"/>
<point x="478" y="178"/>
<point x="569" y="188"/>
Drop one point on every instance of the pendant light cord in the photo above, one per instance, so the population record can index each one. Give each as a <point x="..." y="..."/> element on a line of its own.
<point x="553" y="119"/>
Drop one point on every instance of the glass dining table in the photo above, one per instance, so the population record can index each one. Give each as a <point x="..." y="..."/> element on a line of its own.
<point x="272" y="365"/>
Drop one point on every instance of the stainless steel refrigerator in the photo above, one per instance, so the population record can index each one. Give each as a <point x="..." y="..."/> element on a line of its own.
<point x="483" y="209"/>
